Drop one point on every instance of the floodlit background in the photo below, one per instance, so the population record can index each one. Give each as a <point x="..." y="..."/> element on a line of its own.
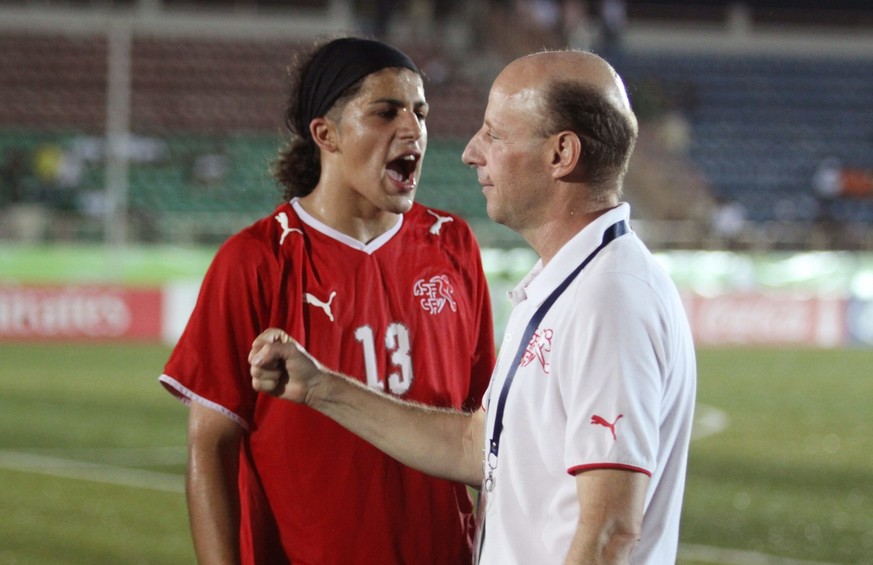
<point x="136" y="135"/>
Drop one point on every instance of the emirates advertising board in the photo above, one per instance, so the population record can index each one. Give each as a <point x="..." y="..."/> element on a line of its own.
<point x="106" y="312"/>
<point x="768" y="319"/>
<point x="72" y="312"/>
<point x="822" y="299"/>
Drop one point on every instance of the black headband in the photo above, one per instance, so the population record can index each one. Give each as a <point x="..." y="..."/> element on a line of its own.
<point x="338" y="65"/>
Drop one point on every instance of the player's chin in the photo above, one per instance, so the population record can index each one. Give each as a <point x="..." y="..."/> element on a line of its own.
<point x="400" y="201"/>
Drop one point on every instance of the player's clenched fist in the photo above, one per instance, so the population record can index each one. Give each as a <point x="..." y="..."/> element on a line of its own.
<point x="281" y="367"/>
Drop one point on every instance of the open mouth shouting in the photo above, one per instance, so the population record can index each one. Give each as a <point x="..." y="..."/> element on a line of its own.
<point x="402" y="171"/>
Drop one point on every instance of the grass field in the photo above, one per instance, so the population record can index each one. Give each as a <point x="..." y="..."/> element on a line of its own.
<point x="92" y="457"/>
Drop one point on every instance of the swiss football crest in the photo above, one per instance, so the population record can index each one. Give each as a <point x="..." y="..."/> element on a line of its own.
<point x="540" y="344"/>
<point x="435" y="294"/>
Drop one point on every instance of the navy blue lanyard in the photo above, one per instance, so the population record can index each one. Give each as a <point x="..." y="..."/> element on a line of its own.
<point x="612" y="232"/>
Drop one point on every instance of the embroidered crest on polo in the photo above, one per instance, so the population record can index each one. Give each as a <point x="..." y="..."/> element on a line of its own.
<point x="538" y="348"/>
<point x="435" y="294"/>
<point x="282" y="218"/>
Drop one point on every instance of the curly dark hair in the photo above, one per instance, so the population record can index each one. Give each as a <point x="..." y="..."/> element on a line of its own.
<point x="608" y="136"/>
<point x="298" y="165"/>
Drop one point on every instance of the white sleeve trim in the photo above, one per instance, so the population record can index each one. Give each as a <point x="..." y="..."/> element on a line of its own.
<point x="187" y="396"/>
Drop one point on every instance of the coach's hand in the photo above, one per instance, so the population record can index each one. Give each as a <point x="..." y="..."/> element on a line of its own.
<point x="281" y="367"/>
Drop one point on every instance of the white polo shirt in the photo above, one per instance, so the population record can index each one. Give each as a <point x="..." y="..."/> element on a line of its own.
<point x="607" y="381"/>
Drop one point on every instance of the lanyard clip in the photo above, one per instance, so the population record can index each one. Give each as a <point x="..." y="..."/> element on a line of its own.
<point x="490" y="465"/>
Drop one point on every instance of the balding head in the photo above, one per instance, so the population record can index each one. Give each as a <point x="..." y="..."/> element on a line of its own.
<point x="586" y="68"/>
<point x="579" y="92"/>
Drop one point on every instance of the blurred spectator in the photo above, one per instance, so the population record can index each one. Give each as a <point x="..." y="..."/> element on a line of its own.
<point x="516" y="28"/>
<point x="832" y="179"/>
<point x="728" y="221"/>
<point x="826" y="178"/>
<point x="374" y="16"/>
<point x="612" y="16"/>
<point x="857" y="182"/>
<point x="22" y="216"/>
<point x="544" y="13"/>
<point x="137" y="149"/>
<point x="674" y="132"/>
<point x="542" y="20"/>
<point x="13" y="176"/>
<point x="429" y="19"/>
<point x="57" y="167"/>
<point x="211" y="167"/>
<point x="577" y="24"/>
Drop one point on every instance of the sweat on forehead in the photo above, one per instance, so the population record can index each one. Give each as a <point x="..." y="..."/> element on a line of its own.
<point x="341" y="63"/>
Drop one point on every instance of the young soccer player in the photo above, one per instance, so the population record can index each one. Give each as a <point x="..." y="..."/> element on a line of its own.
<point x="379" y="288"/>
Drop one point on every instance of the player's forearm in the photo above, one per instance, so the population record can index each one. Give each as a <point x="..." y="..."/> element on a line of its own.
<point x="440" y="442"/>
<point x="211" y="485"/>
<point x="214" y="511"/>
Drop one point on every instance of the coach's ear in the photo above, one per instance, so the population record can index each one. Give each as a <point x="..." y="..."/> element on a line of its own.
<point x="566" y="157"/>
<point x="323" y="132"/>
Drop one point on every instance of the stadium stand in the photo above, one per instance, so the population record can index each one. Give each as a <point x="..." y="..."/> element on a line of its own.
<point x="745" y="129"/>
<point x="761" y="124"/>
<point x="197" y="98"/>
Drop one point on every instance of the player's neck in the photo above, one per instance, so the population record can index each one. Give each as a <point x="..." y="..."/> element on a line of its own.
<point x="360" y="221"/>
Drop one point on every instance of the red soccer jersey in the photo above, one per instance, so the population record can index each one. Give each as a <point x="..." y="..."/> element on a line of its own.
<point x="408" y="314"/>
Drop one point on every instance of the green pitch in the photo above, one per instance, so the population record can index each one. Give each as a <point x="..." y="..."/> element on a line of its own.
<point x="84" y="461"/>
<point x="92" y="457"/>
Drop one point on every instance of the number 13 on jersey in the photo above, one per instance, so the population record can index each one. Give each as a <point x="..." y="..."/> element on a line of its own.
<point x="397" y="344"/>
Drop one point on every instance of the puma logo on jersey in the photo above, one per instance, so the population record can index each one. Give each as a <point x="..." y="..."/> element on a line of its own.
<point x="438" y="224"/>
<point x="315" y="301"/>
<point x="435" y="293"/>
<point x="540" y="344"/>
<point x="599" y="421"/>
<point x="282" y="218"/>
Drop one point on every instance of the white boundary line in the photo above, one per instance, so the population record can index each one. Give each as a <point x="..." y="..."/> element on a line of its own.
<point x="720" y="556"/>
<point x="708" y="421"/>
<point x="118" y="456"/>
<point x="95" y="472"/>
